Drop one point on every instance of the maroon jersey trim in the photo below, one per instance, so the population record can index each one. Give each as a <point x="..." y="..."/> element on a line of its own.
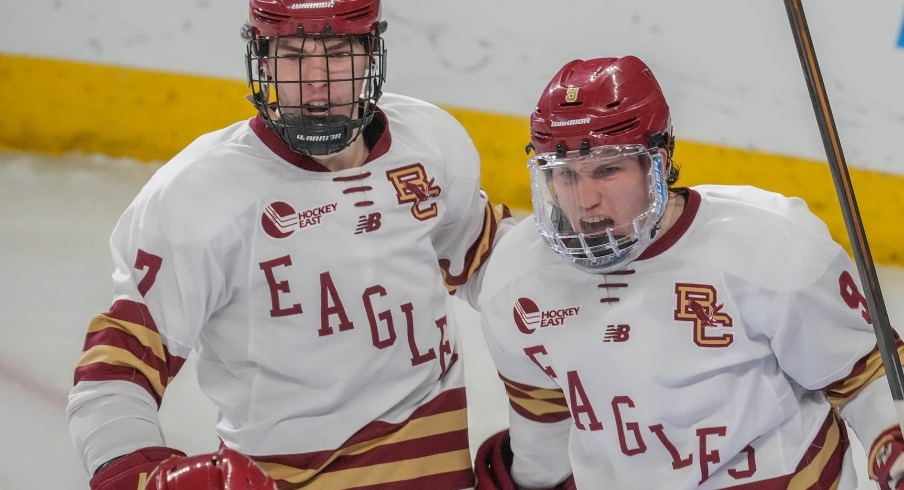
<point x="390" y="458"/>
<point x="691" y="206"/>
<point x="821" y="465"/>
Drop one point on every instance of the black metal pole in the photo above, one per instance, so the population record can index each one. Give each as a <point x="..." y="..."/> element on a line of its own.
<point x="867" y="270"/>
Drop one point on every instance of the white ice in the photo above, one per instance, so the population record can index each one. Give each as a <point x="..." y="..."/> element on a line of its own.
<point x="56" y="215"/>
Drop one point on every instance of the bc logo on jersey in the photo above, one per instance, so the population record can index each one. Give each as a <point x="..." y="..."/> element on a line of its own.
<point x="696" y="303"/>
<point x="413" y="185"/>
<point x="280" y="220"/>
<point x="617" y="333"/>
<point x="528" y="315"/>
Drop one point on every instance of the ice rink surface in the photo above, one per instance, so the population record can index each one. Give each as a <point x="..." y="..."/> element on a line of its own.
<point x="57" y="216"/>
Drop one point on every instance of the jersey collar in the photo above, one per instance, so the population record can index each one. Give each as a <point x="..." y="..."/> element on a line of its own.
<point x="691" y="206"/>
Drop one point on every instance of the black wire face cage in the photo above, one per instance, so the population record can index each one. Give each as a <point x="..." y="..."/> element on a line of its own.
<point x="317" y="92"/>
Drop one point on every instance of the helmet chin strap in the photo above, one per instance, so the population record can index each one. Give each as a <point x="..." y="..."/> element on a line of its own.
<point x="318" y="135"/>
<point x="667" y="214"/>
<point x="313" y="135"/>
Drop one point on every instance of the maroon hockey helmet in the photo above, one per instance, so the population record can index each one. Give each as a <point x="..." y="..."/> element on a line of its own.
<point x="288" y="97"/>
<point x="593" y="118"/>
<point x="271" y="18"/>
<point x="225" y="469"/>
<point x="603" y="101"/>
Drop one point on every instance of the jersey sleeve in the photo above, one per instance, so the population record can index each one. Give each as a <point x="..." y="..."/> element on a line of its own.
<point x="826" y="342"/>
<point x="539" y="418"/>
<point x="823" y="328"/>
<point x="863" y="394"/>
<point x="466" y="237"/>
<point x="164" y="290"/>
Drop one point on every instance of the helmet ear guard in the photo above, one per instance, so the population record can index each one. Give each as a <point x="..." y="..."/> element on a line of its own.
<point x="661" y="140"/>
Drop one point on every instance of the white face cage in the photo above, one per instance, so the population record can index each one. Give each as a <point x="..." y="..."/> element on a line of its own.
<point x="594" y="208"/>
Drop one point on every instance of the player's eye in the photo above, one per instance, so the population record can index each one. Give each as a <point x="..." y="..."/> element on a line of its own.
<point x="566" y="176"/>
<point x="606" y="171"/>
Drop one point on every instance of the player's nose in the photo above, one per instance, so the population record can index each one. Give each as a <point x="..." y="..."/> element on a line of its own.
<point x="589" y="193"/>
<point x="315" y="71"/>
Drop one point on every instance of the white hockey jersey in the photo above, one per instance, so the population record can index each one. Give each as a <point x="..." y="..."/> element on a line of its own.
<point x="712" y="361"/>
<point x="316" y="301"/>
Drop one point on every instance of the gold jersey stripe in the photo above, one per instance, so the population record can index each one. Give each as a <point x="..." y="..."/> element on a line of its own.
<point x="400" y="471"/>
<point x="538" y="407"/>
<point x="120" y="357"/>
<point x="146" y="336"/>
<point x="809" y="476"/>
<point x="536" y="401"/>
<point x="492" y="217"/>
<point x="535" y="393"/>
<point x="840" y="392"/>
<point x="415" y="429"/>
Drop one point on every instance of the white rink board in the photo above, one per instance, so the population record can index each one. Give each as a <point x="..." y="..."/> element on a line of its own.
<point x="729" y="69"/>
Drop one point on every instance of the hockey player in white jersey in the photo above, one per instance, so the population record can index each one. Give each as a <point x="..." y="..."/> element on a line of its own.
<point x="306" y="255"/>
<point x="652" y="336"/>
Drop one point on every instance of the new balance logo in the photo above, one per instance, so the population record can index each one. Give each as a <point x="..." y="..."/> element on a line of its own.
<point x="617" y="333"/>
<point x="368" y="223"/>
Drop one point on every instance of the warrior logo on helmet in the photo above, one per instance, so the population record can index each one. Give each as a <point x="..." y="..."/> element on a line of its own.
<point x="315" y="5"/>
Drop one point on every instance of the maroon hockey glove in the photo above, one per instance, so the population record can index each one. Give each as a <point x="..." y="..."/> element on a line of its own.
<point x="493" y="465"/>
<point x="223" y="470"/>
<point x="887" y="458"/>
<point x="130" y="471"/>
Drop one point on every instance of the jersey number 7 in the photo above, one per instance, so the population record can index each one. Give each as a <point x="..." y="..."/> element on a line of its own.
<point x="150" y="262"/>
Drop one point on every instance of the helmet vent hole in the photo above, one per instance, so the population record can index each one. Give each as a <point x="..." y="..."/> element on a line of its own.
<point x="361" y="13"/>
<point x="621" y="127"/>
<point x="270" y="17"/>
<point x="613" y="105"/>
<point x="572" y="104"/>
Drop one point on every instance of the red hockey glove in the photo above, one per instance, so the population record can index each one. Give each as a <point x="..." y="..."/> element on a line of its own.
<point x="223" y="470"/>
<point x="887" y="458"/>
<point x="131" y="471"/>
<point x="493" y="465"/>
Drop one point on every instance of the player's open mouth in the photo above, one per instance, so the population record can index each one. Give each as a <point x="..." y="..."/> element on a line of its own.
<point x="597" y="224"/>
<point x="316" y="109"/>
